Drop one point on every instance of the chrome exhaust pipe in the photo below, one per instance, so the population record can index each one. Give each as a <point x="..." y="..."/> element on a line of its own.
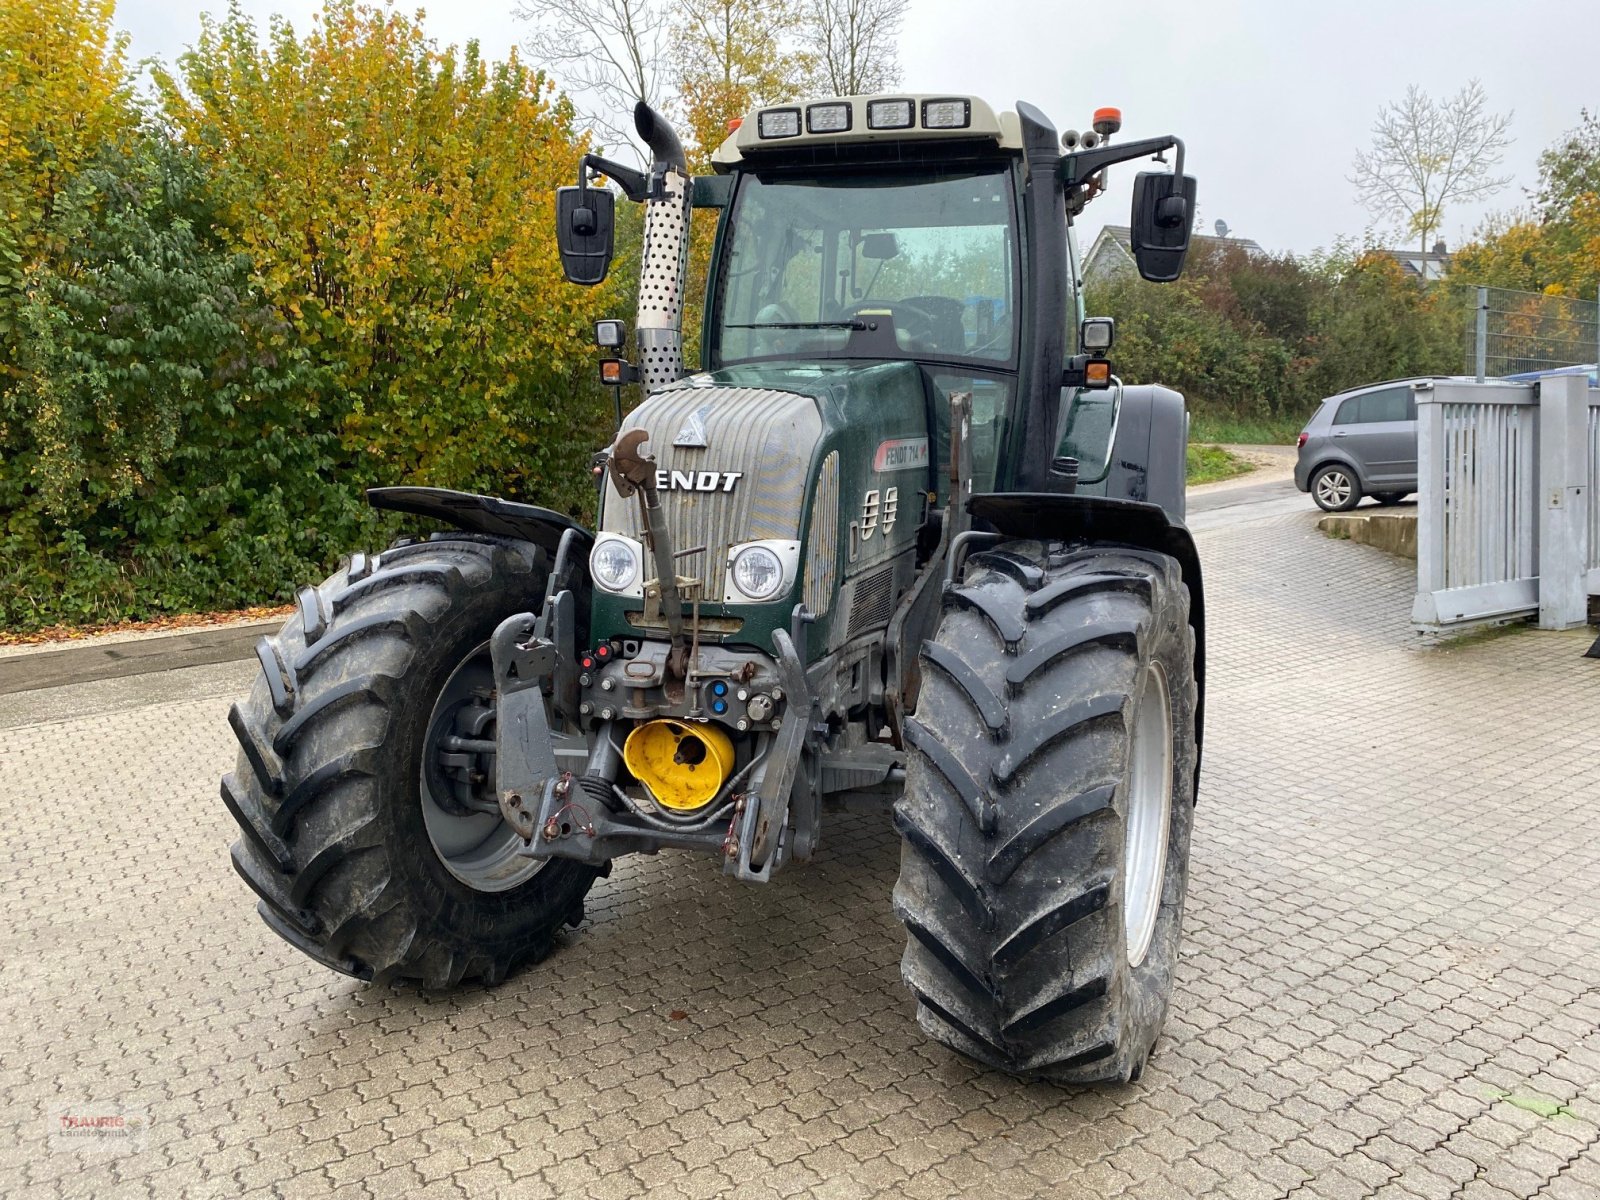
<point x="664" y="263"/>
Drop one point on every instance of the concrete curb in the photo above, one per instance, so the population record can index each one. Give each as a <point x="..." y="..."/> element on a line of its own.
<point x="1395" y="533"/>
<point x="55" y="666"/>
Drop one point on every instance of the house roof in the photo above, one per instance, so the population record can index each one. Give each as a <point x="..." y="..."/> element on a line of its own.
<point x="1117" y="242"/>
<point x="1123" y="235"/>
<point x="1431" y="264"/>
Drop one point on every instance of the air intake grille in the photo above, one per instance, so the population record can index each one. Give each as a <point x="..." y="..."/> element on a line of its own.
<point x="873" y="603"/>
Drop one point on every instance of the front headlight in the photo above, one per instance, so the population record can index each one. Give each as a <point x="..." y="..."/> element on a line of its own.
<point x="757" y="573"/>
<point x="614" y="563"/>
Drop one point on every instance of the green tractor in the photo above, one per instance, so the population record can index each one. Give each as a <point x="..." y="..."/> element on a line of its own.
<point x="906" y="541"/>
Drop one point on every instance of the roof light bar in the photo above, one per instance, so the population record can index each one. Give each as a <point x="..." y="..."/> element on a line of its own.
<point x="779" y="123"/>
<point x="890" y="114"/>
<point x="952" y="113"/>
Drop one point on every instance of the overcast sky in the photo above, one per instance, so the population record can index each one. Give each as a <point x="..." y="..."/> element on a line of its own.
<point x="1272" y="97"/>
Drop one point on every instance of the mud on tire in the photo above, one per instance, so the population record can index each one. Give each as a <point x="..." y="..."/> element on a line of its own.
<point x="1015" y="813"/>
<point x="327" y="787"/>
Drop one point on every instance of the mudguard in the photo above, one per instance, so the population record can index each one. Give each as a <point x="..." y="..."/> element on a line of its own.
<point x="1149" y="460"/>
<point x="1107" y="521"/>
<point x="481" y="514"/>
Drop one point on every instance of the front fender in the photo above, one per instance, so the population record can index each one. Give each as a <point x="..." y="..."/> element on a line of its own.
<point x="489" y="515"/>
<point x="1105" y="521"/>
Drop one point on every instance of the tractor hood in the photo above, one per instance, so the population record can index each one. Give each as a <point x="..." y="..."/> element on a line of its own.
<point x="782" y="454"/>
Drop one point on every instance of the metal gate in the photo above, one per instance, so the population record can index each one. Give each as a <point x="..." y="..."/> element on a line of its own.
<point x="1508" y="511"/>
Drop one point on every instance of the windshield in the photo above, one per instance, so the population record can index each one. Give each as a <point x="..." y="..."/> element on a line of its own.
<point x="870" y="265"/>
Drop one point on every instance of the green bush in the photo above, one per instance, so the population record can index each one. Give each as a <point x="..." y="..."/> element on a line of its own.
<point x="1256" y="340"/>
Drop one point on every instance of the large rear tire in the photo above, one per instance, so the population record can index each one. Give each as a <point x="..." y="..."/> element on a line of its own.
<point x="355" y="837"/>
<point x="1048" y="808"/>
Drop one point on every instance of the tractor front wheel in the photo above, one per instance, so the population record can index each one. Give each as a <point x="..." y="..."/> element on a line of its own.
<point x="1047" y="812"/>
<point x="365" y="783"/>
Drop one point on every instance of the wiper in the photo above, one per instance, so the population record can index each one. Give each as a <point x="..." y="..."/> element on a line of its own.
<point x="802" y="325"/>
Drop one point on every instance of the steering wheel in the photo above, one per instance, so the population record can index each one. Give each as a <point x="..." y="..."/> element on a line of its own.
<point x="922" y="330"/>
<point x="776" y="313"/>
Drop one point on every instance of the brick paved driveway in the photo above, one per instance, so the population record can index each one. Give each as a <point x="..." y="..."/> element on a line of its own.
<point x="1390" y="987"/>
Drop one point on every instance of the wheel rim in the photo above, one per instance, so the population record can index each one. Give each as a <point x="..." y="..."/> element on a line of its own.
<point x="1333" y="487"/>
<point x="469" y="836"/>
<point x="1149" y="813"/>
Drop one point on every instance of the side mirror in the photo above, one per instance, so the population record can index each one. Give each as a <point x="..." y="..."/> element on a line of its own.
<point x="1163" y="214"/>
<point x="585" y="228"/>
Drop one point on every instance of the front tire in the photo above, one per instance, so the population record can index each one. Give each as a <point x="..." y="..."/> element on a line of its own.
<point x="1047" y="812"/>
<point x="360" y="854"/>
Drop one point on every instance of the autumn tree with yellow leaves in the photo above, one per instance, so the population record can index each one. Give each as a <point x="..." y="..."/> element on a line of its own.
<point x="319" y="260"/>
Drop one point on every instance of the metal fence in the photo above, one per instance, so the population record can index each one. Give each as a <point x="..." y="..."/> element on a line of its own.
<point x="1508" y="501"/>
<point x="1593" y="446"/>
<point x="1511" y="332"/>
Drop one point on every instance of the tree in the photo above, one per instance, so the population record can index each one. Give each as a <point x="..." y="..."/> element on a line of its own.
<point x="1427" y="154"/>
<point x="855" y="44"/>
<point x="730" y="56"/>
<point x="1570" y="169"/>
<point x="606" y="54"/>
<point x="398" y="202"/>
<point x="65" y="81"/>
<point x="1555" y="247"/>
<point x="158" y="451"/>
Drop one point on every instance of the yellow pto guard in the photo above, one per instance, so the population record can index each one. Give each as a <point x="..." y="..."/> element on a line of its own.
<point x="684" y="766"/>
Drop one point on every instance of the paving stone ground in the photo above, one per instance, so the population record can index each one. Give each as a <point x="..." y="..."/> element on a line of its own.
<point x="1390" y="985"/>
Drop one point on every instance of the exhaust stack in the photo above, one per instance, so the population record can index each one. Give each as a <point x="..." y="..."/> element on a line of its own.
<point x="665" y="260"/>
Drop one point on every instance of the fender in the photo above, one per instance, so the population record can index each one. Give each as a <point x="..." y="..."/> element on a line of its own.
<point x="489" y="515"/>
<point x="1106" y="521"/>
<point x="1148" y="460"/>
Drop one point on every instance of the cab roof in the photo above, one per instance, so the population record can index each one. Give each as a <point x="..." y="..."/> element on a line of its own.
<point x="860" y="120"/>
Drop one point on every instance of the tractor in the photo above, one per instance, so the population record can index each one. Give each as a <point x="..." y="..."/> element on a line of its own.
<point x="906" y="541"/>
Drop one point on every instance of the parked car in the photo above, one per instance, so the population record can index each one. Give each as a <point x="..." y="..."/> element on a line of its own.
<point x="1361" y="442"/>
<point x="1586" y="369"/>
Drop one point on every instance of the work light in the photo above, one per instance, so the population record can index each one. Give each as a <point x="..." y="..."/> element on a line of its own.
<point x="609" y="334"/>
<point x="889" y="114"/>
<point x="779" y="123"/>
<point x="946" y="114"/>
<point x="828" y="118"/>
<point x="1097" y="334"/>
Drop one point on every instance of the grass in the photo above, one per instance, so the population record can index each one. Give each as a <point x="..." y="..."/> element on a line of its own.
<point x="1207" y="464"/>
<point x="1245" y="431"/>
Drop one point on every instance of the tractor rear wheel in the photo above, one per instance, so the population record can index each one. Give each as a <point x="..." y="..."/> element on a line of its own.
<point x="365" y="780"/>
<point x="1047" y="811"/>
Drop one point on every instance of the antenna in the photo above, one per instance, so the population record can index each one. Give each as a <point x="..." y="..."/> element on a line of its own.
<point x="1222" y="228"/>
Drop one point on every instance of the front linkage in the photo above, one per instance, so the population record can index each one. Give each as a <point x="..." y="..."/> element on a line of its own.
<point x="588" y="817"/>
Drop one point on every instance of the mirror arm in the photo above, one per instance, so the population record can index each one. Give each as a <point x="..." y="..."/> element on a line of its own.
<point x="636" y="186"/>
<point x="1076" y="169"/>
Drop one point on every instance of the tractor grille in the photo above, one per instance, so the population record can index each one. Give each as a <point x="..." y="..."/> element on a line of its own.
<point x="767" y="435"/>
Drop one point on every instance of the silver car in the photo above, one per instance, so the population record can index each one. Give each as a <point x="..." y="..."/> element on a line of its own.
<point x="1362" y="442"/>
